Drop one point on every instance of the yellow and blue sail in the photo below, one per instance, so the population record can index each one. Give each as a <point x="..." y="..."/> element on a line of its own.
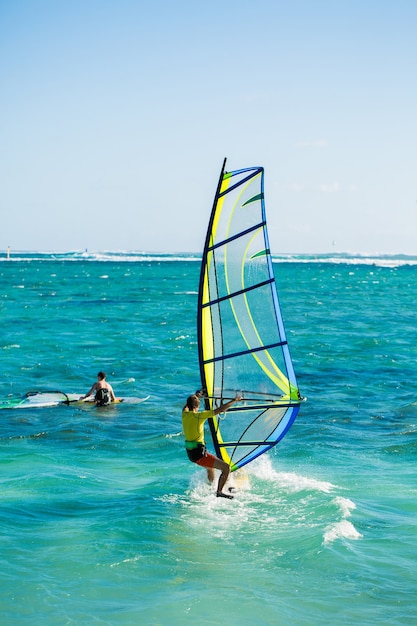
<point x="243" y="348"/>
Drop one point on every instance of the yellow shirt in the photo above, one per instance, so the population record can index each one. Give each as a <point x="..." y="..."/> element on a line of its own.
<point x="193" y="426"/>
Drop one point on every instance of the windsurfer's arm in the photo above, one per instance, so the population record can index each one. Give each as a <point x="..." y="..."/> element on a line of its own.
<point x="227" y="405"/>
<point x="93" y="388"/>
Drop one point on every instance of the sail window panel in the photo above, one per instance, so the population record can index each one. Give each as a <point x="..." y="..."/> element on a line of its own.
<point x="246" y="434"/>
<point x="236" y="209"/>
<point x="250" y="321"/>
<point x="266" y="367"/>
<point x="241" y="265"/>
<point x="263" y="432"/>
<point x="246" y="344"/>
<point x="240" y="332"/>
<point x="225" y="283"/>
<point x="257" y="315"/>
<point x="237" y="375"/>
<point x="233" y="220"/>
<point x="251" y="426"/>
<point x="238" y="457"/>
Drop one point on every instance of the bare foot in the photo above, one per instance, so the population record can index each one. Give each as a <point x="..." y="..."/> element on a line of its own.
<point x="220" y="494"/>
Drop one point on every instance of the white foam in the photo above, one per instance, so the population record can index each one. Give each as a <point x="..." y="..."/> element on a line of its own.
<point x="340" y="530"/>
<point x="345" y="505"/>
<point x="262" y="468"/>
<point x="252" y="503"/>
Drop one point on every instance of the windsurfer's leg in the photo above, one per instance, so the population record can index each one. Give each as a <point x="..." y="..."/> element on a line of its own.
<point x="211" y="462"/>
<point x="225" y="471"/>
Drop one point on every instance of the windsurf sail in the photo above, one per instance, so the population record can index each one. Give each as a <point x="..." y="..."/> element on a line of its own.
<point x="41" y="399"/>
<point x="243" y="348"/>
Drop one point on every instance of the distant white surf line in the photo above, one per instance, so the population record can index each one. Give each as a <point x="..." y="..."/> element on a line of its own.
<point x="133" y="256"/>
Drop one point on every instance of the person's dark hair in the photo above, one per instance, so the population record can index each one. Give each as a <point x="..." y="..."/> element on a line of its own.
<point x="101" y="375"/>
<point x="192" y="402"/>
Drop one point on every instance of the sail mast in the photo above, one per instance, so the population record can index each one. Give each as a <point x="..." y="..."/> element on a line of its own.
<point x="201" y="285"/>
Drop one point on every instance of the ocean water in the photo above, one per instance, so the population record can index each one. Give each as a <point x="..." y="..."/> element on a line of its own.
<point x="103" y="520"/>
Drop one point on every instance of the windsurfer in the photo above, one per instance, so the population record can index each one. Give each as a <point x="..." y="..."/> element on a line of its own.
<point x="193" y="428"/>
<point x="103" y="391"/>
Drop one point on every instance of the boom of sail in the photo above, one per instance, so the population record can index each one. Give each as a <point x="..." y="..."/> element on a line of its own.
<point x="243" y="349"/>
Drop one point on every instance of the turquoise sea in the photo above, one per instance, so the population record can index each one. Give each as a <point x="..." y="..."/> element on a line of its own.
<point x="103" y="520"/>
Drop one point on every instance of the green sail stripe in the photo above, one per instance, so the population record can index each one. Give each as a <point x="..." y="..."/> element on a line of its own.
<point x="258" y="254"/>
<point x="259" y="196"/>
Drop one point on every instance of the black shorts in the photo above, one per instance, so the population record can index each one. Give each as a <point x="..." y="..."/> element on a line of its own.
<point x="195" y="454"/>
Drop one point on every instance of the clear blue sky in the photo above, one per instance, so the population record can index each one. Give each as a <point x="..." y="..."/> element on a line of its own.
<point x="117" y="114"/>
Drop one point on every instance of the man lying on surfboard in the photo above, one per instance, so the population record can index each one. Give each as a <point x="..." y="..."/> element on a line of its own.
<point x="103" y="391"/>
<point x="193" y="428"/>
